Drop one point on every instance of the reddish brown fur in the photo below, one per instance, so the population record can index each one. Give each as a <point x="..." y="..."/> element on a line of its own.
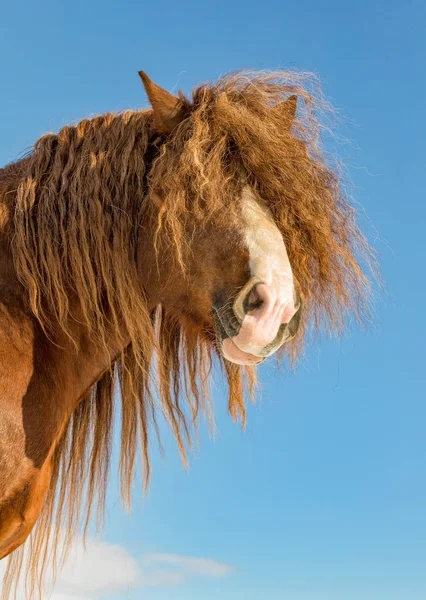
<point x="102" y="229"/>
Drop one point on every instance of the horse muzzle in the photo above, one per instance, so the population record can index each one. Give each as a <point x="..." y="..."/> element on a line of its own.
<point x="262" y="318"/>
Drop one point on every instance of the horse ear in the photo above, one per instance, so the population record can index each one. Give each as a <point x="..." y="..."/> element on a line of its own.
<point x="169" y="111"/>
<point x="287" y="110"/>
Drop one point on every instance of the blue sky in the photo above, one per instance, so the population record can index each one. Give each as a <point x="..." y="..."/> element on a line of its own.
<point x="324" y="495"/>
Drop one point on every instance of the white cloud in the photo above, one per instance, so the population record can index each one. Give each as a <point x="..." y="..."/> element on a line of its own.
<point x="189" y="565"/>
<point x="98" y="568"/>
<point x="162" y="577"/>
<point x="93" y="572"/>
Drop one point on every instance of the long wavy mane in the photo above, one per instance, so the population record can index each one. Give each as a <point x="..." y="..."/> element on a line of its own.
<point x="81" y="201"/>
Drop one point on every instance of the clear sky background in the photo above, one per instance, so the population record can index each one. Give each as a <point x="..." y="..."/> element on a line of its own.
<point x="324" y="496"/>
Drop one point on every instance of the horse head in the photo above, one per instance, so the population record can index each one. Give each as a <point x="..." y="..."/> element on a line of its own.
<point x="232" y="276"/>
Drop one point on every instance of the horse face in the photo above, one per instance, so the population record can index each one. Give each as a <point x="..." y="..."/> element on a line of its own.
<point x="244" y="274"/>
<point x="237" y="283"/>
<point x="265" y="312"/>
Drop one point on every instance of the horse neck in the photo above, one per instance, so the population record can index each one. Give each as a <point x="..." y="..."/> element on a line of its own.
<point x="43" y="378"/>
<point x="45" y="375"/>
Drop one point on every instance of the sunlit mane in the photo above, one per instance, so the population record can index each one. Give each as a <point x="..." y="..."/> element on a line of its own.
<point x="82" y="198"/>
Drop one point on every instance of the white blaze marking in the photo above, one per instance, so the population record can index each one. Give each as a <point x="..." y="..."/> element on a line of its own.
<point x="268" y="255"/>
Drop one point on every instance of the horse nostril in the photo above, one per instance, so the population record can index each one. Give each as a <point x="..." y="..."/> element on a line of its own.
<point x="253" y="301"/>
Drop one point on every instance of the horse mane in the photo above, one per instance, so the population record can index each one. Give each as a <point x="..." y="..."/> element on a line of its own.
<point x="81" y="199"/>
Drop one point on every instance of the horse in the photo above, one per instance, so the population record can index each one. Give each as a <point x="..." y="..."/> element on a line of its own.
<point x="140" y="249"/>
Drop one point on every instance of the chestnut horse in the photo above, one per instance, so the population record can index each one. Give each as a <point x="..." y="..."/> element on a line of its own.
<point x="134" y="248"/>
